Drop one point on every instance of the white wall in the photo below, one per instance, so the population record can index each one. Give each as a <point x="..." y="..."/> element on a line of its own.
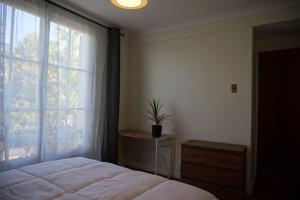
<point x="192" y="77"/>
<point x="123" y="80"/>
<point x="190" y="70"/>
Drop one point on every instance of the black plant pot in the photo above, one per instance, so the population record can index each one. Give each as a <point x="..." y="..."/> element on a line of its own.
<point x="156" y="130"/>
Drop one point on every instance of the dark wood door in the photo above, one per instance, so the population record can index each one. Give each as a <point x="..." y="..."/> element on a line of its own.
<point x="279" y="118"/>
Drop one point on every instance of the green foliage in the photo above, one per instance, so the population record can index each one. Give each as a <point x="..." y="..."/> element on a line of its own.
<point x="62" y="129"/>
<point x="154" y="113"/>
<point x="23" y="64"/>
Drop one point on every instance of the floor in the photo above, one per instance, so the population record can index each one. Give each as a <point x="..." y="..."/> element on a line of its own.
<point x="270" y="189"/>
<point x="275" y="185"/>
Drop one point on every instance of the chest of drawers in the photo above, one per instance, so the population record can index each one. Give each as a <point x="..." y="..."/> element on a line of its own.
<point x="216" y="167"/>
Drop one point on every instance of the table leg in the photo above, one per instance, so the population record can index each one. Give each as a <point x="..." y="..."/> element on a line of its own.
<point x="172" y="149"/>
<point x="125" y="151"/>
<point x="155" y="167"/>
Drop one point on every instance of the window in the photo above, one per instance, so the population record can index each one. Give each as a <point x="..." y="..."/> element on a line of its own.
<point x="47" y="66"/>
<point x="68" y="79"/>
<point x="21" y="80"/>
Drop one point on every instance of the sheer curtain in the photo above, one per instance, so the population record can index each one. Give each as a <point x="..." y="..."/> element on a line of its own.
<point x="51" y="69"/>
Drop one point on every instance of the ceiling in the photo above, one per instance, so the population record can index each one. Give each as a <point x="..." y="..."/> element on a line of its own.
<point x="161" y="14"/>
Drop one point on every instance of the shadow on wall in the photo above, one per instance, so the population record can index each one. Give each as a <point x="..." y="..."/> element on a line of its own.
<point x="177" y="133"/>
<point x="137" y="97"/>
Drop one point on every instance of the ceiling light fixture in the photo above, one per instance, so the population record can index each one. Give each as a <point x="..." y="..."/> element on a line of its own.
<point x="130" y="4"/>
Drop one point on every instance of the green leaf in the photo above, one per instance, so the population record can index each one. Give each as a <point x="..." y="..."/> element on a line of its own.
<point x="154" y="112"/>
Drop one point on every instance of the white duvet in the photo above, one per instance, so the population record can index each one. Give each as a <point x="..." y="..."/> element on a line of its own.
<point x="85" y="179"/>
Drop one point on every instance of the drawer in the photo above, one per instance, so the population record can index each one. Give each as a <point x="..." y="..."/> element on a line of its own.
<point x="221" y="192"/>
<point x="212" y="175"/>
<point x="221" y="159"/>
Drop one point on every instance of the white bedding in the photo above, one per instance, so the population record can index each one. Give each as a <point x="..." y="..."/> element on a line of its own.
<point x="85" y="179"/>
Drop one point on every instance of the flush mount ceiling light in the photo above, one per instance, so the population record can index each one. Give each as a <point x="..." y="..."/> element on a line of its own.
<point x="130" y="4"/>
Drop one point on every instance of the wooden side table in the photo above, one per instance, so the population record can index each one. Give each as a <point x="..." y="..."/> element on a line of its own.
<point x="133" y="134"/>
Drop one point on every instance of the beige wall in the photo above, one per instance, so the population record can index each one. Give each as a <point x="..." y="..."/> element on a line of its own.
<point x="192" y="77"/>
<point x="190" y="70"/>
<point x="123" y="81"/>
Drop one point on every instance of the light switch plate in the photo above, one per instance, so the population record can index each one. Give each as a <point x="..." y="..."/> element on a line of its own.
<point x="234" y="88"/>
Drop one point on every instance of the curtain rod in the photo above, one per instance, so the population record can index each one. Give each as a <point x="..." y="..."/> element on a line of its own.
<point x="75" y="13"/>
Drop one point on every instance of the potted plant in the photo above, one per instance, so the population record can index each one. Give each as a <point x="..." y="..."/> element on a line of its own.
<point x="157" y="117"/>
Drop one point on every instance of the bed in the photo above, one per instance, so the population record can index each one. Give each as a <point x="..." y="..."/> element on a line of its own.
<point x="85" y="179"/>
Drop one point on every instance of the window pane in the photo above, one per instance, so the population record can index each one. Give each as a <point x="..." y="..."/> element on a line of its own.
<point x="80" y="90"/>
<point x="23" y="137"/>
<point x="75" y="45"/>
<point x="59" y="42"/>
<point x="51" y="122"/>
<point x="23" y="83"/>
<point x="63" y="45"/>
<point x="53" y="44"/>
<point x="51" y="131"/>
<point x="52" y="88"/>
<point x="22" y="123"/>
<point x="26" y="35"/>
<point x="64" y="130"/>
<point x="63" y="88"/>
<point x="8" y="29"/>
<point x="74" y="89"/>
<point x="84" y="90"/>
<point x="6" y="74"/>
<point x="68" y="91"/>
<point x="73" y="133"/>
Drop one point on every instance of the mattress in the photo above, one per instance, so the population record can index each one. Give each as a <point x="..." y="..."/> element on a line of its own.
<point x="85" y="179"/>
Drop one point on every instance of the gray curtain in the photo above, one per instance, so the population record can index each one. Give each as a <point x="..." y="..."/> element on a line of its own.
<point x="110" y="136"/>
